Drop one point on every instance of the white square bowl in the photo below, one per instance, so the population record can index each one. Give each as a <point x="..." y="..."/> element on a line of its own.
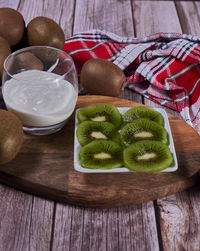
<point x="122" y="110"/>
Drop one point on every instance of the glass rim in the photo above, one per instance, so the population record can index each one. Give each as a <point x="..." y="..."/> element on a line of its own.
<point x="32" y="47"/>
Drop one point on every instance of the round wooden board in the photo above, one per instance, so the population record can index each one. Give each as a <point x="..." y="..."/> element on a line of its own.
<point x="44" y="167"/>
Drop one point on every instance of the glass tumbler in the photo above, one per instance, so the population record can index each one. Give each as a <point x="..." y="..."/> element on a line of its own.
<point x="40" y="86"/>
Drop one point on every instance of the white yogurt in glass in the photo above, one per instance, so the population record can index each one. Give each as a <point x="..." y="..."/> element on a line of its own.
<point x="39" y="98"/>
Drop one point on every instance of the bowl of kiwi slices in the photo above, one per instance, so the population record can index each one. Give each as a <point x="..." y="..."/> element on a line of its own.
<point x="123" y="139"/>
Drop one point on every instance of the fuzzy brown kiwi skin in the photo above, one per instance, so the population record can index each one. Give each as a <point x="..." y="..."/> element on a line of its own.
<point x="5" y="50"/>
<point x="45" y="31"/>
<point x="11" y="136"/>
<point x="102" y="77"/>
<point x="12" y="25"/>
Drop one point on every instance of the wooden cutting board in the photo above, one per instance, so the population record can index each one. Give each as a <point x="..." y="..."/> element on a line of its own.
<point x="44" y="167"/>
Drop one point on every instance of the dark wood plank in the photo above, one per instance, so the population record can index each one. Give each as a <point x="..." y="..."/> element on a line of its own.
<point x="23" y="220"/>
<point x="95" y="229"/>
<point x="112" y="16"/>
<point x="127" y="228"/>
<point x="188" y="12"/>
<point x="63" y="224"/>
<point x="9" y="4"/>
<point x="180" y="218"/>
<point x="135" y="220"/>
<point x="155" y="16"/>
<point x="144" y="217"/>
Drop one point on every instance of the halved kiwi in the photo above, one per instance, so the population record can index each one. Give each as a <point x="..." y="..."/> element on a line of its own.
<point x="101" y="154"/>
<point x="88" y="131"/>
<point x="143" y="129"/>
<point x="100" y="112"/>
<point x="142" y="112"/>
<point x="147" y="156"/>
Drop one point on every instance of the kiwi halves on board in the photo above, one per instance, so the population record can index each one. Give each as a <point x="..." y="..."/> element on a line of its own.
<point x="101" y="154"/>
<point x="88" y="131"/>
<point x="143" y="129"/>
<point x="148" y="156"/>
<point x="101" y="112"/>
<point x="142" y="112"/>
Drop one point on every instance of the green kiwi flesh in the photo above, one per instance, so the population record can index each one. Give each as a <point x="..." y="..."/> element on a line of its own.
<point x="147" y="156"/>
<point x="101" y="154"/>
<point x="100" y="112"/>
<point x="143" y="129"/>
<point x="142" y="112"/>
<point x="88" y="131"/>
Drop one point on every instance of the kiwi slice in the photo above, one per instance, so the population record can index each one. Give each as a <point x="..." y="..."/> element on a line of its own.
<point x="148" y="156"/>
<point x="142" y="112"/>
<point x="101" y="154"/>
<point x="88" y="131"/>
<point x="100" y="112"/>
<point x="143" y="129"/>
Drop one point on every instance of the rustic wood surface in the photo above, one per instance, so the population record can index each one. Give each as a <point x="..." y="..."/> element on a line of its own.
<point x="171" y="223"/>
<point x="45" y="167"/>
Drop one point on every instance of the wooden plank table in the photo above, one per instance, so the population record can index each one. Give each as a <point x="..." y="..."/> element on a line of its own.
<point x="31" y="223"/>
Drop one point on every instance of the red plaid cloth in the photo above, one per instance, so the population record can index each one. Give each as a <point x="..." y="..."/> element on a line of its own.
<point x="163" y="67"/>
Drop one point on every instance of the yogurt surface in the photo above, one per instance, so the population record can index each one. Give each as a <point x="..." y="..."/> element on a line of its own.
<point x="39" y="98"/>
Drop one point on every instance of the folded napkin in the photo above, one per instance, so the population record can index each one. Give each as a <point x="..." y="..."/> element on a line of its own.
<point x="163" y="67"/>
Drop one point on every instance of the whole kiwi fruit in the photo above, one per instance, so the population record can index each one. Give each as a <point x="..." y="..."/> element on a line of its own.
<point x="4" y="52"/>
<point x="102" y="77"/>
<point x="45" y="31"/>
<point x="12" y="25"/>
<point x="11" y="136"/>
<point x="29" y="61"/>
<point x="26" y="60"/>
